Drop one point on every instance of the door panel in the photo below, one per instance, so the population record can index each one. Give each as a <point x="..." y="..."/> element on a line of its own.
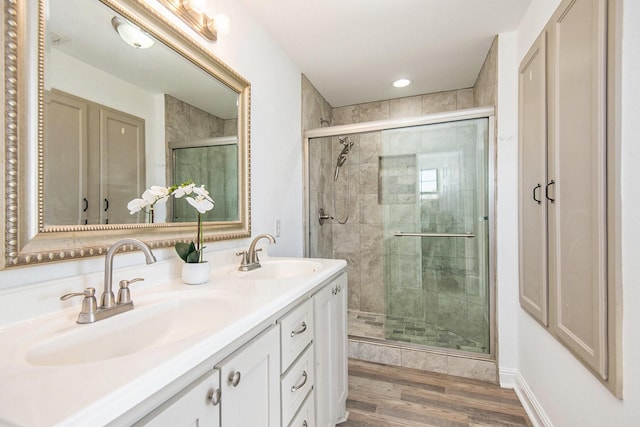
<point x="577" y="159"/>
<point x="532" y="165"/>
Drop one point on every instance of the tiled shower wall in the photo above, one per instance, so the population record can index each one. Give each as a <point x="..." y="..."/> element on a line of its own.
<point x="437" y="281"/>
<point x="360" y="241"/>
<point x="315" y="109"/>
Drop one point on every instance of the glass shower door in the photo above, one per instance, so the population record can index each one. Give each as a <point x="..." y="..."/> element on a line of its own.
<point x="433" y="186"/>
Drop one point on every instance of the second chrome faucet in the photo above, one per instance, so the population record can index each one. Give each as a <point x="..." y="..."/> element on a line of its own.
<point x="250" y="260"/>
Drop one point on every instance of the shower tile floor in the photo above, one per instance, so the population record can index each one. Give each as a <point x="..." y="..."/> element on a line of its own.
<point x="414" y="331"/>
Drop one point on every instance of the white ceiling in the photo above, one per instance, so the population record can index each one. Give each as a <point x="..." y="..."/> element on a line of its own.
<point x="351" y="50"/>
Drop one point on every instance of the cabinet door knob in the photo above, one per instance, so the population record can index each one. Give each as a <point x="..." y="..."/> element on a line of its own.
<point x="299" y="386"/>
<point x="303" y="328"/>
<point x="304" y="424"/>
<point x="214" y="396"/>
<point x="234" y="378"/>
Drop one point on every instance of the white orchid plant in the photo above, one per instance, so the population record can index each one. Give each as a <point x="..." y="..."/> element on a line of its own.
<point x="198" y="197"/>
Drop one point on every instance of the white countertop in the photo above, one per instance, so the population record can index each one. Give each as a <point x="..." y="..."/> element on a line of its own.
<point x="97" y="392"/>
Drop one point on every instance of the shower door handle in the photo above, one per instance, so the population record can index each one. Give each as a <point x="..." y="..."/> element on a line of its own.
<point x="402" y="234"/>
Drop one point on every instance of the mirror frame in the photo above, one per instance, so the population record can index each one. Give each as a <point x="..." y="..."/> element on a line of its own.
<point x="27" y="240"/>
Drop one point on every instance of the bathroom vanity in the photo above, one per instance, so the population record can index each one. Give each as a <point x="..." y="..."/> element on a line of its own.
<point x="259" y="348"/>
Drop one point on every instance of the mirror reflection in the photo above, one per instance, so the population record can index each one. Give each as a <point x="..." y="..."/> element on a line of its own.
<point x="123" y="113"/>
<point x="206" y="161"/>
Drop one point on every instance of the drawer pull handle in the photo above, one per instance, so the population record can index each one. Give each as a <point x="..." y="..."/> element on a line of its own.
<point x="303" y="328"/>
<point x="299" y="386"/>
<point x="234" y="378"/>
<point x="214" y="396"/>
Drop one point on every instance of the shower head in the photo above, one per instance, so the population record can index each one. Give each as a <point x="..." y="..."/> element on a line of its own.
<point x="342" y="157"/>
<point x="346" y="141"/>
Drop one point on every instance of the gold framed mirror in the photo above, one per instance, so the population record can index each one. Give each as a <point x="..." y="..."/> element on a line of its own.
<point x="34" y="165"/>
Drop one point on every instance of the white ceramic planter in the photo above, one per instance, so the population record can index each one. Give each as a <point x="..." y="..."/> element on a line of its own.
<point x="195" y="273"/>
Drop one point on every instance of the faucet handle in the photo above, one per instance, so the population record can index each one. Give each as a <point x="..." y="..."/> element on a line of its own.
<point x="89" y="304"/>
<point x="87" y="293"/>
<point x="245" y="257"/>
<point x="124" y="295"/>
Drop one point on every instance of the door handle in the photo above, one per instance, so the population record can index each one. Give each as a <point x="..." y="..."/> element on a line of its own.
<point x="106" y="205"/>
<point x="546" y="191"/>
<point x="537" y="187"/>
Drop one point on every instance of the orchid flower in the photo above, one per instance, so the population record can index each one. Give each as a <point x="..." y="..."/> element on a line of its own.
<point x="198" y="197"/>
<point x="203" y="204"/>
<point x="183" y="189"/>
<point x="150" y="197"/>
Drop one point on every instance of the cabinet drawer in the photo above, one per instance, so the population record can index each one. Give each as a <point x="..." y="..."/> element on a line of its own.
<point x="306" y="415"/>
<point x="295" y="385"/>
<point x="296" y="332"/>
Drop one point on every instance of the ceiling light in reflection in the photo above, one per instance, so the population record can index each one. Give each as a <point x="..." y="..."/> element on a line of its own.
<point x="131" y="34"/>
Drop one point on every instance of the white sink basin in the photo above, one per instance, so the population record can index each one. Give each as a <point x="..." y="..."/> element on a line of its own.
<point x="280" y="269"/>
<point x="150" y="325"/>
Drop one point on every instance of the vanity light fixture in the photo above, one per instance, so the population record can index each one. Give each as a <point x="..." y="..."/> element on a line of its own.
<point x="401" y="83"/>
<point x="190" y="11"/>
<point x="132" y="35"/>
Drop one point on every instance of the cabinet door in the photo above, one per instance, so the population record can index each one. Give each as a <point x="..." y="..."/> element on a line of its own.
<point x="251" y="383"/>
<point x="577" y="159"/>
<point x="330" y="344"/>
<point x="340" y="367"/>
<point x="122" y="176"/>
<point x="197" y="405"/>
<point x="65" y="159"/>
<point x="532" y="166"/>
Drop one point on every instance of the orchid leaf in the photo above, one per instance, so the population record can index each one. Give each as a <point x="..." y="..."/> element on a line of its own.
<point x="193" y="257"/>
<point x="184" y="250"/>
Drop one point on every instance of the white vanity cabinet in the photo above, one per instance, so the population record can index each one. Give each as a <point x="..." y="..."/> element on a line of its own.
<point x="242" y="390"/>
<point x="197" y="405"/>
<point x="250" y="380"/>
<point x="292" y="374"/>
<point x="330" y="348"/>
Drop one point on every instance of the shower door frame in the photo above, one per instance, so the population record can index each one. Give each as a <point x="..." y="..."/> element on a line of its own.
<point x="428" y="119"/>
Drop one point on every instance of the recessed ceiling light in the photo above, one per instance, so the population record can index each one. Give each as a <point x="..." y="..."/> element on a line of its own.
<point x="401" y="83"/>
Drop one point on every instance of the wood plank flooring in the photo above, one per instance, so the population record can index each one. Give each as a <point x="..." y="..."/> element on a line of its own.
<point x="390" y="396"/>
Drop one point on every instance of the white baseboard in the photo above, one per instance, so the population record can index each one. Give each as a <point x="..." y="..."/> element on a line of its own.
<point x="511" y="378"/>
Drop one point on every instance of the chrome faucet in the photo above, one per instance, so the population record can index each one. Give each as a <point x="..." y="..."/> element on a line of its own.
<point x="109" y="305"/>
<point x="107" y="299"/>
<point x="250" y="260"/>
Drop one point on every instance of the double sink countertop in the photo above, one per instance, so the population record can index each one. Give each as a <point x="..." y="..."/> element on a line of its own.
<point x="55" y="371"/>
